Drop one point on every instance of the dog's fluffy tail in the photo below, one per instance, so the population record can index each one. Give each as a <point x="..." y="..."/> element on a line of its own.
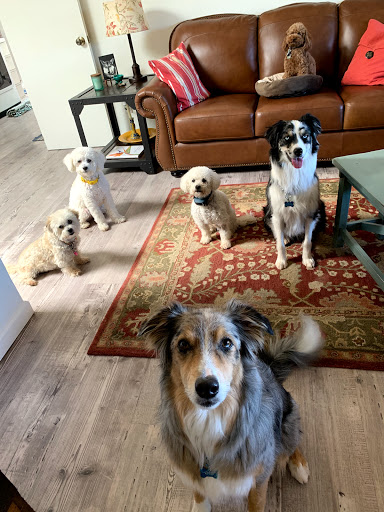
<point x="296" y="350"/>
<point x="12" y="269"/>
<point x="245" y="220"/>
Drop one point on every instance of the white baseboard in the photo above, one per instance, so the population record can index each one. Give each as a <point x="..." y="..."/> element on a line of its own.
<point x="14" y="326"/>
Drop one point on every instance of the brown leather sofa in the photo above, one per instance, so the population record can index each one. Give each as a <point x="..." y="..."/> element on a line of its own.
<point x="231" y="52"/>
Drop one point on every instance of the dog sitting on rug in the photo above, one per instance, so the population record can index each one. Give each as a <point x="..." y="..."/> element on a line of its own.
<point x="227" y="420"/>
<point x="90" y="194"/>
<point x="294" y="209"/>
<point x="56" y="248"/>
<point x="210" y="208"/>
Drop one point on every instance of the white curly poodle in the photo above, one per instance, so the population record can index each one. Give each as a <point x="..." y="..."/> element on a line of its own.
<point x="90" y="193"/>
<point x="56" y="248"/>
<point x="210" y="208"/>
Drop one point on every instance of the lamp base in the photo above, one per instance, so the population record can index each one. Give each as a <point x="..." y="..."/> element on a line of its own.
<point x="135" y="80"/>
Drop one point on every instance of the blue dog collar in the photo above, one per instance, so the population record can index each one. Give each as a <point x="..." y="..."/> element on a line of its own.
<point x="202" y="201"/>
<point x="205" y="471"/>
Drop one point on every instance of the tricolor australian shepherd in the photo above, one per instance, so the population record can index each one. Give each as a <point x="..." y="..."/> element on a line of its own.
<point x="294" y="209"/>
<point x="226" y="419"/>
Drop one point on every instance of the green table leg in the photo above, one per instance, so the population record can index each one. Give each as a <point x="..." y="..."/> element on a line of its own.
<point x="381" y="216"/>
<point x="342" y="208"/>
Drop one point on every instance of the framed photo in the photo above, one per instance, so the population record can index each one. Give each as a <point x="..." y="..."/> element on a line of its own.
<point x="108" y="66"/>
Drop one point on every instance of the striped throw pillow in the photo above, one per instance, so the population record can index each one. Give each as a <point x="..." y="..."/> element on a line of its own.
<point x="178" y="71"/>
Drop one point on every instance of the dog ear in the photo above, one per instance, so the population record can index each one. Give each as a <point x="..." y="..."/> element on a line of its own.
<point x="48" y="224"/>
<point x="250" y="325"/>
<point x="184" y="182"/>
<point x="285" y="44"/>
<point x="69" y="163"/>
<point x="274" y="133"/>
<point x="75" y="212"/>
<point x="100" y="160"/>
<point x="307" y="40"/>
<point x="159" y="329"/>
<point x="215" y="180"/>
<point x="312" y="122"/>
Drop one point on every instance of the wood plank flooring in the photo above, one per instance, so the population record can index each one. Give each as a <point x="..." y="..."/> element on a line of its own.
<point x="79" y="433"/>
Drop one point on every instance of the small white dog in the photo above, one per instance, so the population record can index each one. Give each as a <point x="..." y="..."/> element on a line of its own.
<point x="90" y="193"/>
<point x="210" y="208"/>
<point x="57" y="248"/>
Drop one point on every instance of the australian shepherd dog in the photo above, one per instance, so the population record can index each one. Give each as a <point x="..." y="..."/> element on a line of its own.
<point x="294" y="210"/>
<point x="226" y="419"/>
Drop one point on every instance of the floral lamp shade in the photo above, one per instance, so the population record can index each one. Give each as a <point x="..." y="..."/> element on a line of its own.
<point x="124" y="17"/>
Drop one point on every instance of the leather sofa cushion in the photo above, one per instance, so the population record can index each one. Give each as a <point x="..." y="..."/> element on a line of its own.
<point x="223" y="49"/>
<point x="354" y="16"/>
<point x="363" y="106"/>
<point x="321" y="20"/>
<point x="230" y="116"/>
<point x="326" y="105"/>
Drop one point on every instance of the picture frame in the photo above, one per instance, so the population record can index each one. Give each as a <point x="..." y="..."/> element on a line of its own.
<point x="108" y="66"/>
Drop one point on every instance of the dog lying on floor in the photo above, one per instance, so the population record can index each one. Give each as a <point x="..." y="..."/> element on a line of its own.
<point x="56" y="248"/>
<point x="226" y="419"/>
<point x="294" y="209"/>
<point x="90" y="194"/>
<point x="210" y="208"/>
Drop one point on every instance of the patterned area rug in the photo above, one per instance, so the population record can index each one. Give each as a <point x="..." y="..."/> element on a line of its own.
<point x="173" y="265"/>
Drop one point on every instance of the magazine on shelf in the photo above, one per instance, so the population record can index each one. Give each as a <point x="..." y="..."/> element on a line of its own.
<point x="119" y="152"/>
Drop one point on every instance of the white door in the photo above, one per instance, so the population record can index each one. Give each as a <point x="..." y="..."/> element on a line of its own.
<point x="42" y="35"/>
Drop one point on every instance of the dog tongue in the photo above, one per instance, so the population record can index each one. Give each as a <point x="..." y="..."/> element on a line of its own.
<point x="297" y="162"/>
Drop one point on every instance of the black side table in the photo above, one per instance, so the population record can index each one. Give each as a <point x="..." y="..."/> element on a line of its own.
<point x="110" y="95"/>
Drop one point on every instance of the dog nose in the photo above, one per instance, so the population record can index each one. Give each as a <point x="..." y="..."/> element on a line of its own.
<point x="198" y="188"/>
<point x="85" y="168"/>
<point x="70" y="231"/>
<point x="298" y="151"/>
<point x="207" y="387"/>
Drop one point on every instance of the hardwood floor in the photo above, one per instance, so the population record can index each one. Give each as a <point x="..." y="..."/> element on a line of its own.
<point x="79" y="433"/>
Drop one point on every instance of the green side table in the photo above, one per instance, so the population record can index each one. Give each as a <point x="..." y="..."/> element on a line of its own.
<point x="365" y="172"/>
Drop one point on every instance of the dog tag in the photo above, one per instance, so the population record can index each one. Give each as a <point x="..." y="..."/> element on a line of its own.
<point x="289" y="203"/>
<point x="289" y="53"/>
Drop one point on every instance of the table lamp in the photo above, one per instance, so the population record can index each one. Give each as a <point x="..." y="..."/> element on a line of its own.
<point x="124" y="17"/>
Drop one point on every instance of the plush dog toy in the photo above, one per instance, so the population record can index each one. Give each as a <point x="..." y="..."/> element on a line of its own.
<point x="298" y="61"/>
<point x="90" y="194"/>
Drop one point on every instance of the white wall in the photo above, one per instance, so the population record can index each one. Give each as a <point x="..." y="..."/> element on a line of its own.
<point x="14" y="312"/>
<point x="162" y="16"/>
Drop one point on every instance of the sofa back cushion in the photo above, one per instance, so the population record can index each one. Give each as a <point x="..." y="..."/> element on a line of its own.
<point x="321" y="21"/>
<point x="223" y="49"/>
<point x="354" y="16"/>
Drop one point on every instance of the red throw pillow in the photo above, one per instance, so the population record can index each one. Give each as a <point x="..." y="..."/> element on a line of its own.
<point x="178" y="71"/>
<point x="367" y="65"/>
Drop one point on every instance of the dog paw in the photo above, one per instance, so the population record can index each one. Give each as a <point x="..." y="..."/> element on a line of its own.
<point x="31" y="282"/>
<point x="225" y="245"/>
<point x="84" y="225"/>
<point x="103" y="227"/>
<point x="119" y="220"/>
<point x="299" y="472"/>
<point x="281" y="263"/>
<point x="75" y="272"/>
<point x="83" y="260"/>
<point x="205" y="240"/>
<point x="309" y="263"/>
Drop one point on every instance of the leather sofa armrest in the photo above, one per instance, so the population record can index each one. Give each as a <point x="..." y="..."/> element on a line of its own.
<point x="157" y="101"/>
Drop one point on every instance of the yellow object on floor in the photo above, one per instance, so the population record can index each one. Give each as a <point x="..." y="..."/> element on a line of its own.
<point x="127" y="137"/>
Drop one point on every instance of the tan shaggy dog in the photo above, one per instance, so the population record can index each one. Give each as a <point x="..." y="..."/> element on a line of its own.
<point x="210" y="208"/>
<point x="296" y="45"/>
<point x="56" y="248"/>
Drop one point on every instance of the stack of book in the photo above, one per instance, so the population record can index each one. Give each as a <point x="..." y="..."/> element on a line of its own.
<point x="120" y="152"/>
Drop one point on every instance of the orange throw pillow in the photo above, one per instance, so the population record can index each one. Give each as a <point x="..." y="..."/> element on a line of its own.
<point x="367" y="65"/>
